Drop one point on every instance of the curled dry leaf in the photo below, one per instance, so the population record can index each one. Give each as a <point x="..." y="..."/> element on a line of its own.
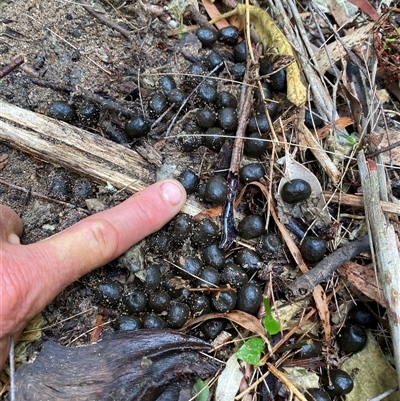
<point x="313" y="208"/>
<point x="241" y="318"/>
<point x="272" y="38"/>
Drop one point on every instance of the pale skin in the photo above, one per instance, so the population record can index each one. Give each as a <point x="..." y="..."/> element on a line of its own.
<point x="31" y="276"/>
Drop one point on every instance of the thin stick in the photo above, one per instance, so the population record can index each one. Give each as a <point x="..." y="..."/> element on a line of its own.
<point x="187" y="99"/>
<point x="41" y="196"/>
<point x="12" y="369"/>
<point x="11" y="66"/>
<point x="124" y="32"/>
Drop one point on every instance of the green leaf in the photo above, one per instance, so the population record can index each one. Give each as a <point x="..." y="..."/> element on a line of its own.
<point x="271" y="325"/>
<point x="201" y="390"/>
<point x="251" y="351"/>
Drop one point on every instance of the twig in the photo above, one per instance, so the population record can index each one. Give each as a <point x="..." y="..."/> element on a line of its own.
<point x="124" y="32"/>
<point x="385" y="245"/>
<point x="304" y="285"/>
<point x="11" y="66"/>
<point x="59" y="87"/>
<point x="41" y="196"/>
<point x="12" y="368"/>
<point x="187" y="99"/>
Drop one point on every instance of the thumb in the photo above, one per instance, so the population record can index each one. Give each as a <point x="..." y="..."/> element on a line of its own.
<point x="10" y="225"/>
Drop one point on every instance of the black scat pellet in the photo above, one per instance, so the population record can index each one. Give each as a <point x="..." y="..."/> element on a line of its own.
<point x="224" y="301"/>
<point x="226" y="99"/>
<point x="61" y="111"/>
<point x="207" y="93"/>
<point x="313" y="249"/>
<point x="361" y="315"/>
<point x="167" y="83"/>
<point x="238" y="71"/>
<point x="234" y="275"/>
<point x="271" y="106"/>
<point x="159" y="301"/>
<point x="312" y="120"/>
<point x="240" y="52"/>
<point x="158" y="103"/>
<point x="258" y="123"/>
<point x="181" y="228"/>
<point x="190" y="267"/>
<point x="316" y="394"/>
<point x="213" y="256"/>
<point x="209" y="277"/>
<point x="251" y="172"/>
<point x="136" y="302"/>
<point x="214" y="139"/>
<point x="211" y="328"/>
<point x="127" y="323"/>
<point x="59" y="186"/>
<point x="178" y="315"/>
<point x="154" y="322"/>
<point x="270" y="244"/>
<point x="295" y="191"/>
<point x="137" y="127"/>
<point x="352" y="338"/>
<point x="83" y="189"/>
<point x="199" y="304"/>
<point x="249" y="298"/>
<point x="214" y="60"/>
<point x="207" y="36"/>
<point x="341" y="382"/>
<point x="159" y="243"/>
<point x="227" y="118"/>
<point x="88" y="113"/>
<point x="109" y="292"/>
<point x="176" y="96"/>
<point x="153" y="276"/>
<point x="206" y="118"/>
<point x="252" y="226"/>
<point x="255" y="145"/>
<point x="205" y="232"/>
<point x="229" y="35"/>
<point x="310" y="350"/>
<point x="248" y="259"/>
<point x="190" y="180"/>
<point x="190" y="142"/>
<point x="196" y="74"/>
<point x="266" y="90"/>
<point x="115" y="134"/>
<point x="216" y="190"/>
<point x="276" y="80"/>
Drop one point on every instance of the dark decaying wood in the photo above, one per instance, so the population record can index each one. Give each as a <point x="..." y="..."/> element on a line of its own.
<point x="136" y="365"/>
<point x="85" y="153"/>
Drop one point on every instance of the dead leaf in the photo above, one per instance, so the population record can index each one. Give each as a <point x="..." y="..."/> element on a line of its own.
<point x="3" y="160"/>
<point x="229" y="380"/>
<point x="367" y="8"/>
<point x="241" y="318"/>
<point x="213" y="12"/>
<point x="272" y="38"/>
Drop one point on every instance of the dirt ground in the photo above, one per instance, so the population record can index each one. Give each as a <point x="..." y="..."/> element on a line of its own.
<point x="62" y="43"/>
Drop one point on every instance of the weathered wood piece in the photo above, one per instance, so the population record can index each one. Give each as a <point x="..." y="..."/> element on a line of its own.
<point x="85" y="153"/>
<point x="136" y="365"/>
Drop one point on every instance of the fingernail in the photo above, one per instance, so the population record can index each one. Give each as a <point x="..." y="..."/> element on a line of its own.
<point x="172" y="193"/>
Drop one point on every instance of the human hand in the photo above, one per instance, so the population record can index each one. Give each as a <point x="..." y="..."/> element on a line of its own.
<point x="32" y="275"/>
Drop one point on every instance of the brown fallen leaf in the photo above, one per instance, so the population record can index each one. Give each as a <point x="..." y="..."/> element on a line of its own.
<point x="3" y="160"/>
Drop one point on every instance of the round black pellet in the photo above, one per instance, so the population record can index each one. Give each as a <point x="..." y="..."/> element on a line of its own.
<point x="206" y="118"/>
<point x="229" y="35"/>
<point x="137" y="127"/>
<point x="167" y="83"/>
<point x="256" y="145"/>
<point x="176" y="96"/>
<point x="352" y="338"/>
<point x="207" y="36"/>
<point x="214" y="138"/>
<point x="226" y="99"/>
<point x="205" y="232"/>
<point x="228" y="118"/>
<point x="190" y="180"/>
<point x="295" y="191"/>
<point x="251" y="172"/>
<point x="61" y="111"/>
<point x="178" y="315"/>
<point x="211" y="328"/>
<point x="159" y="301"/>
<point x="223" y="301"/>
<point x="207" y="93"/>
<point x="249" y="298"/>
<point x="158" y="103"/>
<point x="136" y="302"/>
<point x="154" y="322"/>
<point x="252" y="226"/>
<point x="313" y="249"/>
<point x="109" y="292"/>
<point x="128" y="323"/>
<point x="216" y="190"/>
<point x="214" y="60"/>
<point x="240" y="52"/>
<point x="213" y="256"/>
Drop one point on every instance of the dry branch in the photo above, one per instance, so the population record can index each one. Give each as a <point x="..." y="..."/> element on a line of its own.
<point x="386" y="249"/>
<point x="85" y="153"/>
